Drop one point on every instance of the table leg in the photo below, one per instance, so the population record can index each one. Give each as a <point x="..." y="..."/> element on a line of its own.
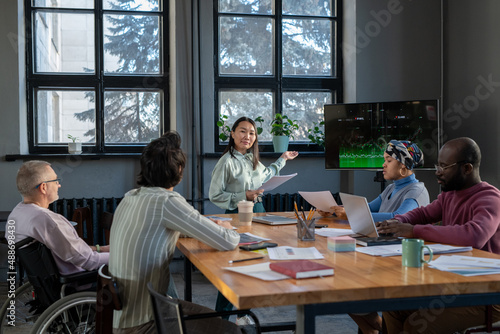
<point x="188" y="291"/>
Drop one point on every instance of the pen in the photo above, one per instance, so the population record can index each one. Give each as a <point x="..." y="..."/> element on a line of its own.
<point x="253" y="258"/>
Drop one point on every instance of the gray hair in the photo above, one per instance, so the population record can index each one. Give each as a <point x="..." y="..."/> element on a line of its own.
<point x="31" y="174"/>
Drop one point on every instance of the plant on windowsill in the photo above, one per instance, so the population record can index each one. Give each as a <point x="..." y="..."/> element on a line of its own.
<point x="74" y="147"/>
<point x="225" y="130"/>
<point x="281" y="129"/>
<point x="316" y="134"/>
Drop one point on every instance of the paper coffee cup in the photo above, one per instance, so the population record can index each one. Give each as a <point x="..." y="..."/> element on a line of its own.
<point x="245" y="211"/>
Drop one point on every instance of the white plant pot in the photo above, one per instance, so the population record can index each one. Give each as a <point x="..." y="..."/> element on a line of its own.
<point x="280" y="143"/>
<point x="75" y="148"/>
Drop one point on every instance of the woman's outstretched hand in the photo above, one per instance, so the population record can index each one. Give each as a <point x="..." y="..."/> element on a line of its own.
<point x="289" y="155"/>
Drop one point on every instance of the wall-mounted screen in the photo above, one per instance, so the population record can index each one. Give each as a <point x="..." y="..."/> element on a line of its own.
<point x="356" y="134"/>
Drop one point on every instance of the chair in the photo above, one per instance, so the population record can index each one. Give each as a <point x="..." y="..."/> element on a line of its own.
<point x="488" y="327"/>
<point x="170" y="315"/>
<point x="58" y="305"/>
<point x="108" y="300"/>
<point x="105" y="224"/>
<point x="84" y="226"/>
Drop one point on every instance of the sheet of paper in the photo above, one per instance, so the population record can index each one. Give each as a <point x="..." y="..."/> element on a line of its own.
<point x="294" y="253"/>
<point x="321" y="200"/>
<point x="219" y="218"/>
<point x="260" y="271"/>
<point x="276" y="181"/>
<point x="466" y="265"/>
<point x="333" y="232"/>
<point x="395" y="250"/>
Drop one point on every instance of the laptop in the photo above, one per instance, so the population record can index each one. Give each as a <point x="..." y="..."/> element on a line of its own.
<point x="359" y="215"/>
<point x="361" y="221"/>
<point x="274" y="220"/>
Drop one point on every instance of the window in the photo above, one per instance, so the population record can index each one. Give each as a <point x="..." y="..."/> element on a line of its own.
<point x="96" y="70"/>
<point x="277" y="56"/>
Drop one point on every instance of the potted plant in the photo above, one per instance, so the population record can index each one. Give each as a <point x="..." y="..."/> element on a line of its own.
<point x="225" y="130"/>
<point x="316" y="134"/>
<point x="74" y="147"/>
<point x="281" y="129"/>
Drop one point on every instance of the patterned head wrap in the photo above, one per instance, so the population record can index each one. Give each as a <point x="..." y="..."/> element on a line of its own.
<point x="406" y="152"/>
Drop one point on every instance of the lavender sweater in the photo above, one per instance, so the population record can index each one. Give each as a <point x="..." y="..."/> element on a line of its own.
<point x="469" y="217"/>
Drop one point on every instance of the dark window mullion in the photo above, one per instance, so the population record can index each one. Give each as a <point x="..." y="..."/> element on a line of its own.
<point x="99" y="61"/>
<point x="278" y="98"/>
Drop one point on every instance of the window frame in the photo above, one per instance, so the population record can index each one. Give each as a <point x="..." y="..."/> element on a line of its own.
<point x="278" y="83"/>
<point x="99" y="81"/>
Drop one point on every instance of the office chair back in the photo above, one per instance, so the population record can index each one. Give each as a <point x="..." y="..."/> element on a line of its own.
<point x="84" y="225"/>
<point x="167" y="313"/>
<point x="108" y="300"/>
<point x="41" y="270"/>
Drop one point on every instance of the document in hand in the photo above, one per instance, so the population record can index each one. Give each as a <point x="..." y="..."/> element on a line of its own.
<point x="276" y="181"/>
<point x="301" y="268"/>
<point x="321" y="200"/>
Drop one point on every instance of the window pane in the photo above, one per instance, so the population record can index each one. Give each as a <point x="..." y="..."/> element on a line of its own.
<point x="307" y="48"/>
<point x="306" y="108"/>
<point x="132" y="44"/>
<point x="60" y="113"/>
<point x="307" y="7"/>
<point x="246" y="46"/>
<point x="133" y="5"/>
<point x="86" y="4"/>
<point x="132" y="116"/>
<point x="238" y="103"/>
<point x="246" y="6"/>
<point x="64" y="42"/>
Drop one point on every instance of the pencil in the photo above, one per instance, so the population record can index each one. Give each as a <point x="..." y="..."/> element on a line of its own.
<point x="253" y="258"/>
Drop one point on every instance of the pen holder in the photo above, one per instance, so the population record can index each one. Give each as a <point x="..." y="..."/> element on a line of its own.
<point x="305" y="229"/>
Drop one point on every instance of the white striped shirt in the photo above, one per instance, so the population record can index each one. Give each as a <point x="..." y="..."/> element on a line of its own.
<point x="145" y="229"/>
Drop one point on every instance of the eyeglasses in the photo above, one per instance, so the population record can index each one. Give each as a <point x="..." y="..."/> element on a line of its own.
<point x="440" y="169"/>
<point x="55" y="180"/>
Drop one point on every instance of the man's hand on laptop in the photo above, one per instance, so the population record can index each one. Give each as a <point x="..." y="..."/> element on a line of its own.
<point x="394" y="227"/>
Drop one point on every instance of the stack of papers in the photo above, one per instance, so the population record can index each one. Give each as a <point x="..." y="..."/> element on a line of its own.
<point x="395" y="250"/>
<point x="249" y="238"/>
<point x="466" y="265"/>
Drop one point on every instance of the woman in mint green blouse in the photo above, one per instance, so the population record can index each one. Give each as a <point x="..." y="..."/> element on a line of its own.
<point x="238" y="175"/>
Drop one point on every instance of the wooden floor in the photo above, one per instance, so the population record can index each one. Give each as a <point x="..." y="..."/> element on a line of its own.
<point x="205" y="294"/>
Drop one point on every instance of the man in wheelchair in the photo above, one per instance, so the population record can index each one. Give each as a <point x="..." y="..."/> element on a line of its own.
<point x="39" y="186"/>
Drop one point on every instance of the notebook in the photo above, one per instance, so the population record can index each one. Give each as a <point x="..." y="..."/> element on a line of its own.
<point x="301" y="268"/>
<point x="274" y="220"/>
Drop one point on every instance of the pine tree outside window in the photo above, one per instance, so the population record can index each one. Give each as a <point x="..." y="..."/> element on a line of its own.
<point x="277" y="56"/>
<point x="96" y="70"/>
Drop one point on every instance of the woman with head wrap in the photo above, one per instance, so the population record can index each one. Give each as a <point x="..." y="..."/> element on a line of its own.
<point x="406" y="192"/>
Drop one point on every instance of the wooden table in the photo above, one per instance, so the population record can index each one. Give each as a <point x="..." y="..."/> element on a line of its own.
<point x="361" y="283"/>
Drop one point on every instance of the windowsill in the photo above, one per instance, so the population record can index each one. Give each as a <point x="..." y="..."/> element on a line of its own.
<point x="312" y="154"/>
<point x="83" y="156"/>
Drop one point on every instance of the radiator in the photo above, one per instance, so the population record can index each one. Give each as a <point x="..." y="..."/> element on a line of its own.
<point x="97" y="206"/>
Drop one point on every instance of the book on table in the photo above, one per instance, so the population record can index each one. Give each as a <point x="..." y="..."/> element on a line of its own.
<point x="301" y="268"/>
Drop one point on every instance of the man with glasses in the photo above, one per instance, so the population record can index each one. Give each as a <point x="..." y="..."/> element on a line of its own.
<point x="465" y="213"/>
<point x="39" y="186"/>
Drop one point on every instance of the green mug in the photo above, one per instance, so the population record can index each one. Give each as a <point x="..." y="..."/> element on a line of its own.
<point x="413" y="253"/>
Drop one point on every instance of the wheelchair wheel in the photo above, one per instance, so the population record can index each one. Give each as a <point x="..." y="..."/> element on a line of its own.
<point x="22" y="316"/>
<point x="73" y="314"/>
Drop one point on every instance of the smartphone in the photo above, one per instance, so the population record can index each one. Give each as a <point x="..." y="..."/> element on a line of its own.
<point x="321" y="225"/>
<point x="260" y="245"/>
